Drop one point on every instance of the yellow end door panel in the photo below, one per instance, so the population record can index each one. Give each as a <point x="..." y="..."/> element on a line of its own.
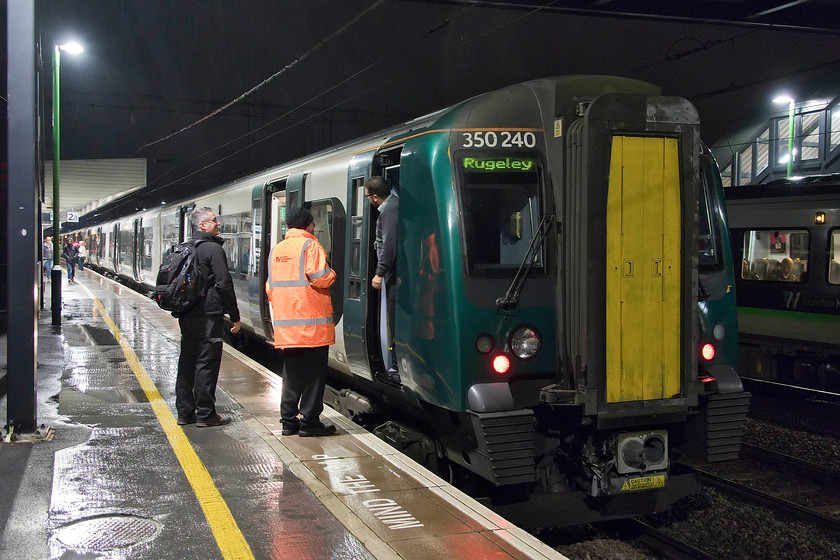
<point x="643" y="269"/>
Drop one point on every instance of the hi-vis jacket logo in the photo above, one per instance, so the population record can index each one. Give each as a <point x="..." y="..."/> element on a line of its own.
<point x="791" y="299"/>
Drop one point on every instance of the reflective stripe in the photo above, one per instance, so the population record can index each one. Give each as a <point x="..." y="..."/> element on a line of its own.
<point x="299" y="322"/>
<point x="302" y="274"/>
<point x="288" y="283"/>
<point x="320" y="274"/>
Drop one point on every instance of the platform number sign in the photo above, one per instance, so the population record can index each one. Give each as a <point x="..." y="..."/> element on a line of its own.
<point x="72" y="216"/>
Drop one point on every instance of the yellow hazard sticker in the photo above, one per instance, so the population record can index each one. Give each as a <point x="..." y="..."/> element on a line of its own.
<point x="643" y="483"/>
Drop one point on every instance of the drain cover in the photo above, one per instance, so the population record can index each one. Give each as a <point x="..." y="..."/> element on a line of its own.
<point x="107" y="532"/>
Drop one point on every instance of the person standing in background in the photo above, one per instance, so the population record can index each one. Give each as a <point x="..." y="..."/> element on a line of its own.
<point x="82" y="254"/>
<point x="298" y="289"/>
<point x="47" y="254"/>
<point x="69" y="254"/>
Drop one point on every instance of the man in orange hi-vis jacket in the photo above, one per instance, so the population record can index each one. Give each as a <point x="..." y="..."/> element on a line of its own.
<point x="298" y="288"/>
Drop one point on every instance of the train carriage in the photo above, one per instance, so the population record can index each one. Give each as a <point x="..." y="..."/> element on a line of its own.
<point x="561" y="264"/>
<point x="789" y="321"/>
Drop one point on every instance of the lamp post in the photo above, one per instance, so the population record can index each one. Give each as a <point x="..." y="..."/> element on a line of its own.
<point x="55" y="274"/>
<point x="791" y="108"/>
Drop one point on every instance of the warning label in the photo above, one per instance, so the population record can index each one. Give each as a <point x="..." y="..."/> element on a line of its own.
<point x="643" y="483"/>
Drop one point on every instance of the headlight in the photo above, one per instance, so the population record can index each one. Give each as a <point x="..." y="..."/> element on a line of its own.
<point x="719" y="332"/>
<point x="484" y="343"/>
<point x="525" y="342"/>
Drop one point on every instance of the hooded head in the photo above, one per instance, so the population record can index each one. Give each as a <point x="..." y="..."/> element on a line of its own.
<point x="299" y="218"/>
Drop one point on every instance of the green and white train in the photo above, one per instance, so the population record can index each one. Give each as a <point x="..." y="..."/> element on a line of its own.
<point x="565" y="322"/>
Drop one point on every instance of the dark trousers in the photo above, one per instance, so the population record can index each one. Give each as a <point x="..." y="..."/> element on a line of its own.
<point x="198" y="366"/>
<point x="71" y="269"/>
<point x="391" y="301"/>
<point x="304" y="378"/>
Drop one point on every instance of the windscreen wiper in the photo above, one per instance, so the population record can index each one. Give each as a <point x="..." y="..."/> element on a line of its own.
<point x="511" y="297"/>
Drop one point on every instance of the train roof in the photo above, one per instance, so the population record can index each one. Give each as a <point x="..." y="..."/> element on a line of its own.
<point x="791" y="187"/>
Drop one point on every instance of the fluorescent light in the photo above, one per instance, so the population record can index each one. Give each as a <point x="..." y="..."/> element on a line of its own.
<point x="72" y="47"/>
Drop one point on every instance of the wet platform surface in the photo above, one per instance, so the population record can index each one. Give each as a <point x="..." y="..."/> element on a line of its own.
<point x="120" y="479"/>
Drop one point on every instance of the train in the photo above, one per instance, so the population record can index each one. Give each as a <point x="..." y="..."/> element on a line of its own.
<point x="565" y="317"/>
<point x="789" y="324"/>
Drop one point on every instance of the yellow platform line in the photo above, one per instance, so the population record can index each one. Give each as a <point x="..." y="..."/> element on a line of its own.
<point x="230" y="539"/>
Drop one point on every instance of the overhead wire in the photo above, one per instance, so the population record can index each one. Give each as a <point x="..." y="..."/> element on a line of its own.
<point x="289" y="66"/>
<point x="367" y="68"/>
<point x="445" y="21"/>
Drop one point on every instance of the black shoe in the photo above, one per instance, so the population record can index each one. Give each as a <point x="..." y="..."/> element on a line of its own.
<point x="214" y="421"/>
<point x="317" y="431"/>
<point x="184" y="421"/>
<point x="290" y="431"/>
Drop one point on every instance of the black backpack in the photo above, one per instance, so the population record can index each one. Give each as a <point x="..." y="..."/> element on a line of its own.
<point x="179" y="285"/>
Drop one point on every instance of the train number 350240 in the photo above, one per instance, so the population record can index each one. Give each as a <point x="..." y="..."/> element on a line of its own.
<point x="501" y="139"/>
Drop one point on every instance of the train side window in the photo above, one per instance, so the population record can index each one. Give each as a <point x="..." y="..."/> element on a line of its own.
<point x="169" y="229"/>
<point x="146" y="247"/>
<point x="775" y="255"/>
<point x="834" y="258"/>
<point x="330" y="222"/>
<point x="708" y="236"/>
<point x="356" y="278"/>
<point x="322" y="211"/>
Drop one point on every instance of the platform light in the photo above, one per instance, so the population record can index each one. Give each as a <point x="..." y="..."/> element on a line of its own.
<point x="791" y="108"/>
<point x="71" y="47"/>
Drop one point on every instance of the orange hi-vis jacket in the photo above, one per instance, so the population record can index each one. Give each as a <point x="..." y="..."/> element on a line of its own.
<point x="298" y="288"/>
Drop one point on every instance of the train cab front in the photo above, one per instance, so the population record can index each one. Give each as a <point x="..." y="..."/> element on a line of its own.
<point x="504" y="315"/>
<point x="628" y="298"/>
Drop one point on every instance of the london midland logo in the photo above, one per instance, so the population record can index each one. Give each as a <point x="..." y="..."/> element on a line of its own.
<point x="791" y="299"/>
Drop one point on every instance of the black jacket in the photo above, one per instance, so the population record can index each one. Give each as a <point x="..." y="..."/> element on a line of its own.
<point x="70" y="253"/>
<point x="213" y="264"/>
<point x="386" y="240"/>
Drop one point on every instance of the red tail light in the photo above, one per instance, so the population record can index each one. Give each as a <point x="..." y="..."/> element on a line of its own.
<point x="708" y="351"/>
<point x="501" y="364"/>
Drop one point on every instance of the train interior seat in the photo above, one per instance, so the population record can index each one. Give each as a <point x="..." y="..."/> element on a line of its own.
<point x="799" y="268"/>
<point x="758" y="268"/>
<point x="772" y="264"/>
<point x="834" y="272"/>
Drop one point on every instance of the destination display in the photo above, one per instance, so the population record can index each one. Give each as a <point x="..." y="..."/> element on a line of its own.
<point x="474" y="164"/>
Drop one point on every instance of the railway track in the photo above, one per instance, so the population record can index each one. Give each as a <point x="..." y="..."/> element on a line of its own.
<point x="755" y="507"/>
<point x="787" y="485"/>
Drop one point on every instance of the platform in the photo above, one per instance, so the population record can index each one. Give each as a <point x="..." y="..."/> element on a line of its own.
<point x="113" y="476"/>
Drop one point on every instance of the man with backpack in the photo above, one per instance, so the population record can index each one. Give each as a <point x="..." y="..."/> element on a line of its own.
<point x="201" y="327"/>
